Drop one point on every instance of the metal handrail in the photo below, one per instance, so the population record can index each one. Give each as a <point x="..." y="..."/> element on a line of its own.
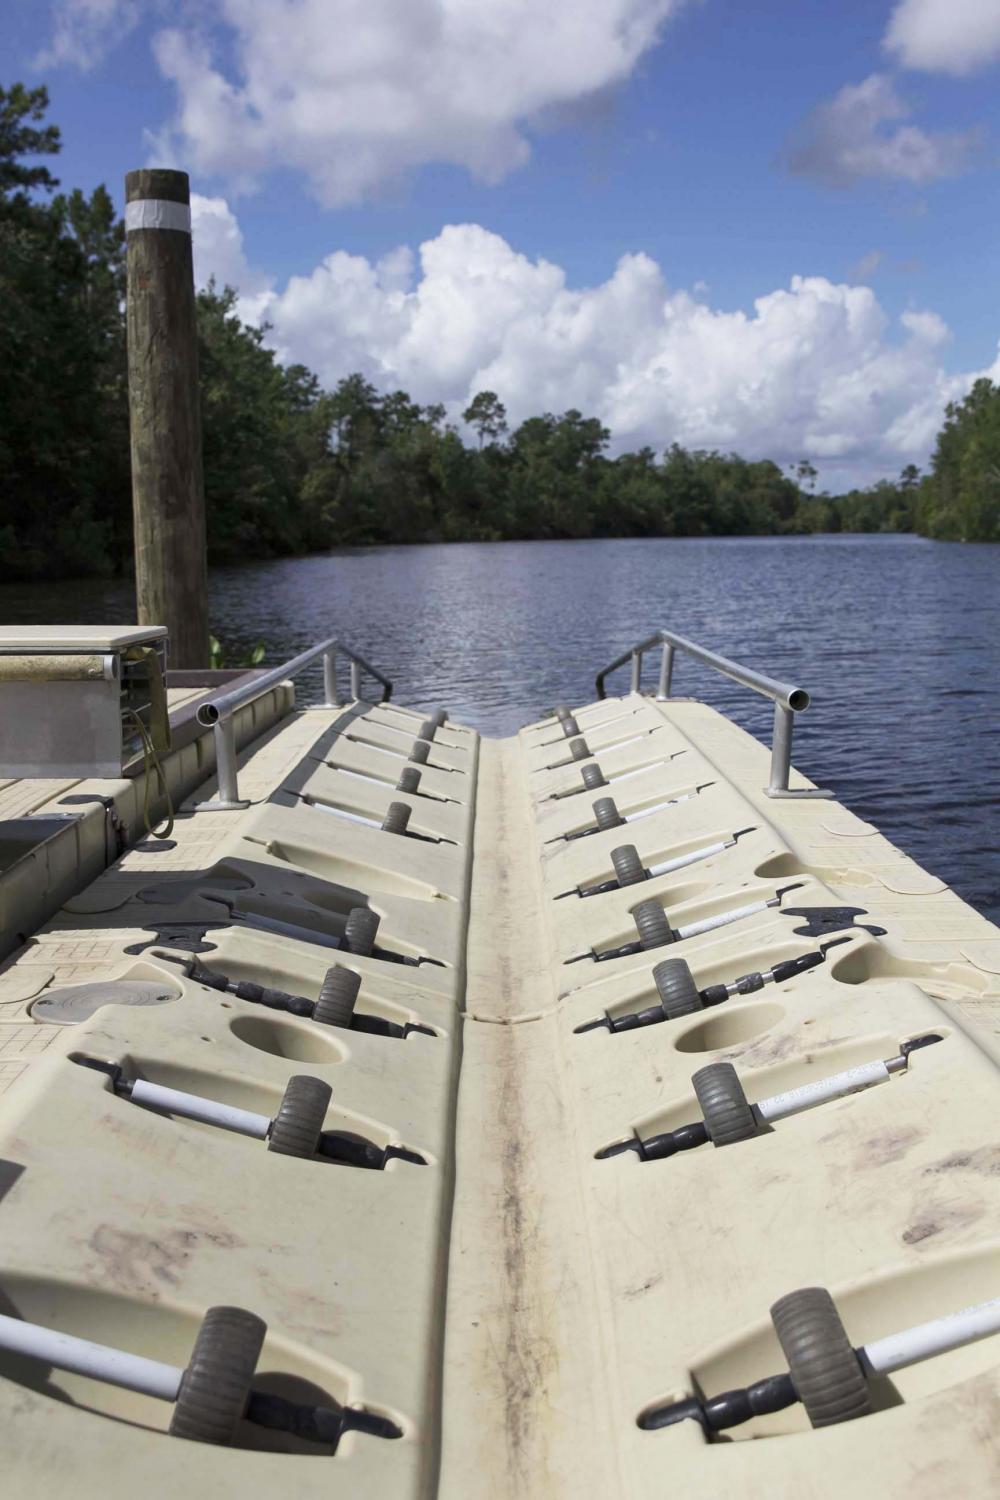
<point x="217" y="712"/>
<point x="788" y="700"/>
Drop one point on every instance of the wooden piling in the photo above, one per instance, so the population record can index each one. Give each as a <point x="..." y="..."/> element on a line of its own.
<point x="168" y="497"/>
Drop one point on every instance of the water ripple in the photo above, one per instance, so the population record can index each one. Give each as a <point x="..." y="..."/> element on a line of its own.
<point x="897" y="639"/>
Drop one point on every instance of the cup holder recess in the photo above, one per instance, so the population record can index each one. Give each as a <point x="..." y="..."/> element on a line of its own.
<point x="732" y="1025"/>
<point x="296" y="1042"/>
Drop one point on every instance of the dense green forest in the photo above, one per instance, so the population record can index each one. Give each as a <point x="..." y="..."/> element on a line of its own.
<point x="290" y="467"/>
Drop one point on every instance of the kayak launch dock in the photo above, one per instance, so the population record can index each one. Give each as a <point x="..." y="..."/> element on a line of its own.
<point x="491" y="1093"/>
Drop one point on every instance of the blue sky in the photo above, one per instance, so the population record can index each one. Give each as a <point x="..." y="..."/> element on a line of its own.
<point x="838" y="160"/>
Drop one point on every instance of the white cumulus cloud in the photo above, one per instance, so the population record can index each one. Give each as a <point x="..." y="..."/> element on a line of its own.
<point x="217" y="243"/>
<point x="83" y="31"/>
<point x="356" y="94"/>
<point x="860" y="133"/>
<point x="944" y="36"/>
<point x="815" y="368"/>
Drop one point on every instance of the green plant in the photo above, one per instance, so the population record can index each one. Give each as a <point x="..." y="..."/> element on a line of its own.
<point x="220" y="656"/>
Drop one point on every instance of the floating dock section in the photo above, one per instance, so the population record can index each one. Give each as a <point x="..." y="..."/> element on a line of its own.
<point x="525" y="1223"/>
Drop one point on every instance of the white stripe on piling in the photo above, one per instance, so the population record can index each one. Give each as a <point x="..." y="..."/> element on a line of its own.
<point x="158" y="213"/>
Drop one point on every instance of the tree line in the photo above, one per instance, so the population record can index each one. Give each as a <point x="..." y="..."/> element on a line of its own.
<point x="291" y="467"/>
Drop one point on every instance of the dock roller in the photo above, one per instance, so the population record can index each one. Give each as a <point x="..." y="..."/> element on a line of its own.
<point x="594" y="777"/>
<point x="334" y="1005"/>
<point x="728" y="1117"/>
<point x="296" y="1129"/>
<point x="825" y="1371"/>
<point x="212" y="1394"/>
<point x="630" y="870"/>
<point x="679" y="994"/>
<point x="655" y="931"/>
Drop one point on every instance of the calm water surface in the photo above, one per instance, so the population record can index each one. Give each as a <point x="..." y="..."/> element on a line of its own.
<point x="897" y="639"/>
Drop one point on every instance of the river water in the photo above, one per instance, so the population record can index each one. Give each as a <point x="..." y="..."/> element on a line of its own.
<point x="896" y="638"/>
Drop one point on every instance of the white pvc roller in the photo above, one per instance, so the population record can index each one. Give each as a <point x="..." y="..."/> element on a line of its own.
<point x="722" y="919"/>
<point x="194" y="1107"/>
<point x="113" y="1366"/>
<point x="633" y="739"/>
<point x="627" y="775"/>
<point x="647" y="812"/>
<point x="690" y="859"/>
<point x="836" y="1086"/>
<point x="358" y="775"/>
<point x="341" y="812"/>
<point x="898" y="1350"/>
<point x="379" y="749"/>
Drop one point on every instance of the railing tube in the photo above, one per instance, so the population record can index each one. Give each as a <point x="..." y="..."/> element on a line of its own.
<point x="331" y="692"/>
<point x="225" y="764"/>
<point x="781" y="748"/>
<point x="666" y="671"/>
<point x="788" y="699"/>
<point x="356" y="681"/>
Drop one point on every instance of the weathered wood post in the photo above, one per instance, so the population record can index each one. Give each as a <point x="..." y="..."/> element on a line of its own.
<point x="168" y="496"/>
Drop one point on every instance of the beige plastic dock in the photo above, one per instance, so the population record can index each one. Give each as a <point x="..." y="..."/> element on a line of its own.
<point x="507" y="1301"/>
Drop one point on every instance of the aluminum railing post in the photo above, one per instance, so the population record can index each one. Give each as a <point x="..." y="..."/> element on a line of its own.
<point x="331" y="692"/>
<point x="666" y="671"/>
<point x="781" y="748"/>
<point x="636" y="671"/>
<point x="228" y="797"/>
<point x="355" y="681"/>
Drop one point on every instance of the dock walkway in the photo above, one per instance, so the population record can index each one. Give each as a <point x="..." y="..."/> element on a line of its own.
<point x="511" y="1300"/>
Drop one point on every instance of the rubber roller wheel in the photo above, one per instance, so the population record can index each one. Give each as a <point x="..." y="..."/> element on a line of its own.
<point x="824" y="1368"/>
<point x="409" y="779"/>
<point x="606" y="814"/>
<point x="439" y="717"/>
<point x="651" y="920"/>
<point x="396" y="818"/>
<point x="359" y="931"/>
<point x="727" y="1115"/>
<point x="628" y="866"/>
<point x="427" y="730"/>
<point x="676" y="987"/>
<point x="570" y="726"/>
<point x="563" y="710"/>
<point x="215" y="1386"/>
<point x="296" y="1128"/>
<point x="593" y="777"/>
<point x="337" y="996"/>
<point x="421" y="750"/>
<point x="579" y="749"/>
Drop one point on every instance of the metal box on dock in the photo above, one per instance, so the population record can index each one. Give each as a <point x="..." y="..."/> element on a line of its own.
<point x="81" y="700"/>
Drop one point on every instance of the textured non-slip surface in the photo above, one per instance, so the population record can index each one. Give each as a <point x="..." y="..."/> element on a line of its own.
<point x="515" y="1303"/>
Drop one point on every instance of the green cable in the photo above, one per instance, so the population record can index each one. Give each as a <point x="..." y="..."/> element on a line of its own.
<point x="151" y="764"/>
